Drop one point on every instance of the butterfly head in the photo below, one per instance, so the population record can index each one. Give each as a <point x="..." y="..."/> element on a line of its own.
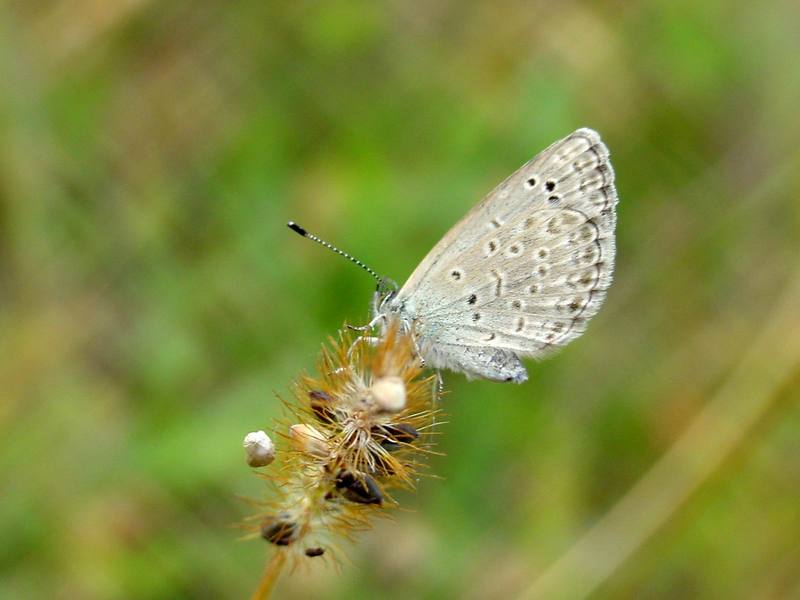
<point x="384" y="294"/>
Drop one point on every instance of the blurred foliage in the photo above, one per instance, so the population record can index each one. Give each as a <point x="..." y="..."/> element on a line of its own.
<point x="152" y="298"/>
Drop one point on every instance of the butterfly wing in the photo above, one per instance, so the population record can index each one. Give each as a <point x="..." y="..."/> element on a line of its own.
<point x="525" y="269"/>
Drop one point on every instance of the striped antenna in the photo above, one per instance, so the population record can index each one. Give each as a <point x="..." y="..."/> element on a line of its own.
<point x="297" y="229"/>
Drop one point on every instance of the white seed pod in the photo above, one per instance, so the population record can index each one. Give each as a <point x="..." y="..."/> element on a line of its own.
<point x="259" y="449"/>
<point x="389" y="394"/>
<point x="306" y="438"/>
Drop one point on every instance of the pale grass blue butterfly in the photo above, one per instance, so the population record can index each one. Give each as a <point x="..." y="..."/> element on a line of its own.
<point x="522" y="273"/>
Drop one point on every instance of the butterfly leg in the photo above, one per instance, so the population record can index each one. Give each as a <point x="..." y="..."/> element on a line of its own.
<point x="418" y="353"/>
<point x="369" y="326"/>
<point x="369" y="339"/>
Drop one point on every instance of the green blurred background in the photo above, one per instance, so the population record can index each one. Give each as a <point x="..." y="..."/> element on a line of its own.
<point x="152" y="300"/>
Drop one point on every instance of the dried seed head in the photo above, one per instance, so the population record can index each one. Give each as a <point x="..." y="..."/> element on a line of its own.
<point x="354" y="436"/>
<point x="259" y="449"/>
<point x="306" y="438"/>
<point x="389" y="394"/>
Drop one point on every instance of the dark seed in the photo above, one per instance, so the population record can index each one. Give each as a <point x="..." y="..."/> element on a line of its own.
<point x="394" y="436"/>
<point x="321" y="405"/>
<point x="315" y="551"/>
<point x="279" y="530"/>
<point x="362" y="490"/>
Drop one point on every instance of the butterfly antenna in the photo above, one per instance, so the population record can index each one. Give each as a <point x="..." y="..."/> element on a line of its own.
<point x="297" y="229"/>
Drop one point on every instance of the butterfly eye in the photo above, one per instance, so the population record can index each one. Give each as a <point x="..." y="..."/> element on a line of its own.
<point x="314" y="552"/>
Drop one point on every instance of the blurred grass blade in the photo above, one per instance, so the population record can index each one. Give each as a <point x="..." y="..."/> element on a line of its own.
<point x="750" y="390"/>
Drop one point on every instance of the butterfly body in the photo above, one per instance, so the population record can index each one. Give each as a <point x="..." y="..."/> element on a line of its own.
<point x="522" y="273"/>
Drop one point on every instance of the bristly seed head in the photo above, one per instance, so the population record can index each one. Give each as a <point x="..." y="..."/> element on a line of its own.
<point x="369" y="404"/>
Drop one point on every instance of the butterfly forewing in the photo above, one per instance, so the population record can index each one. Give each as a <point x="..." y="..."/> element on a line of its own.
<point x="527" y="267"/>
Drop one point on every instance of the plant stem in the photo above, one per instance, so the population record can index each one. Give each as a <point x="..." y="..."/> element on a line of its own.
<point x="270" y="577"/>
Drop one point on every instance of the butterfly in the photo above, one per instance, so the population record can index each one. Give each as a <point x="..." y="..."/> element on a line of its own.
<point x="522" y="273"/>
